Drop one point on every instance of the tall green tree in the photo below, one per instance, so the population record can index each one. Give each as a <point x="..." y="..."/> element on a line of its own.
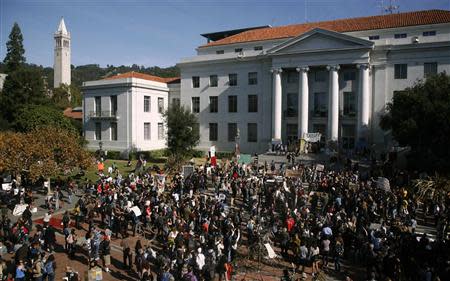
<point x="419" y="117"/>
<point x="14" y="50"/>
<point x="22" y="87"/>
<point x="182" y="131"/>
<point x="40" y="116"/>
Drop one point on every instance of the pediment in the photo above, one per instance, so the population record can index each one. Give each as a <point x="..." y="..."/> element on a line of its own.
<point x="320" y="40"/>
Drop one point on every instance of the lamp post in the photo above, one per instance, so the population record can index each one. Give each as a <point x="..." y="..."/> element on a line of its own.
<point x="100" y="151"/>
<point x="237" y="139"/>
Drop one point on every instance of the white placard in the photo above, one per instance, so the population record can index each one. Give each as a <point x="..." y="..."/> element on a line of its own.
<point x="312" y="137"/>
<point x="383" y="183"/>
<point x="136" y="211"/>
<point x="19" y="209"/>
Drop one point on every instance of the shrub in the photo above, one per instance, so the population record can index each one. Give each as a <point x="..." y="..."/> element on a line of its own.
<point x="114" y="155"/>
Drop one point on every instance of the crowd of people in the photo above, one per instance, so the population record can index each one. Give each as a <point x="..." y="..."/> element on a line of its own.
<point x="206" y="225"/>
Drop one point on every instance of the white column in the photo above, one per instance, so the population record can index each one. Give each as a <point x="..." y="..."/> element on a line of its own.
<point x="276" y="104"/>
<point x="333" y="111"/>
<point x="363" y="115"/>
<point x="303" y="101"/>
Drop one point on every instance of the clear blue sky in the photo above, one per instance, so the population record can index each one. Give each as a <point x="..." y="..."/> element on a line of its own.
<point x="160" y="32"/>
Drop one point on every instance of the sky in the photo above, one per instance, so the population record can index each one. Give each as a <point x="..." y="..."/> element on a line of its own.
<point x="161" y="32"/>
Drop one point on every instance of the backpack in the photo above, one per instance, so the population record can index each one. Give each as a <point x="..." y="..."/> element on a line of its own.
<point x="48" y="268"/>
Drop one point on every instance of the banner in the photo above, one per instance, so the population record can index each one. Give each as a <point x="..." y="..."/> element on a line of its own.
<point x="292" y="173"/>
<point x="187" y="170"/>
<point x="312" y="137"/>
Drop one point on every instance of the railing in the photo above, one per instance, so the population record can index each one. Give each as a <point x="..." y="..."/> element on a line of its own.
<point x="319" y="113"/>
<point x="103" y="114"/>
<point x="347" y="113"/>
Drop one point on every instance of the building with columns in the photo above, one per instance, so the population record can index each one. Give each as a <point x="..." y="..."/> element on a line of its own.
<point x="333" y="77"/>
<point x="61" y="66"/>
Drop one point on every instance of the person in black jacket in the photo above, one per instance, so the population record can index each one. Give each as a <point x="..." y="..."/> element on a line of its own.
<point x="105" y="247"/>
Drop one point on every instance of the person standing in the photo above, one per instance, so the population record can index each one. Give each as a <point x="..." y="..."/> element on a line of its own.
<point x="325" y="251"/>
<point x="50" y="266"/>
<point x="20" y="271"/>
<point x="37" y="269"/>
<point x="106" y="252"/>
<point x="71" y="240"/>
<point x="338" y="253"/>
<point x="127" y="254"/>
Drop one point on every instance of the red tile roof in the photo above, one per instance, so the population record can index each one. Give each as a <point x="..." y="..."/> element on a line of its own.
<point x="69" y="112"/>
<point x="341" y="25"/>
<point x="138" y="75"/>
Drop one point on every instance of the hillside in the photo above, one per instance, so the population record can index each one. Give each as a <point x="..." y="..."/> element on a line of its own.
<point x="89" y="72"/>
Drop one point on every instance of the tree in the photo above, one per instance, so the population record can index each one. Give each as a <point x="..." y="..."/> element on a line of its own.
<point x="22" y="87"/>
<point x="38" y="116"/>
<point x="42" y="153"/>
<point x="182" y="135"/>
<point x="14" y="50"/>
<point x="419" y="117"/>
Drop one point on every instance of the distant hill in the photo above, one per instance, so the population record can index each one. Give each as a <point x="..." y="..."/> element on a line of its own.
<point x="89" y="72"/>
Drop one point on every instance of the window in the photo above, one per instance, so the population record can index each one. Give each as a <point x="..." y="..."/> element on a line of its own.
<point x="401" y="71"/>
<point x="252" y="132"/>
<point x="160" y="131"/>
<point x="195" y="104"/>
<point x="349" y="104"/>
<point x="292" y="77"/>
<point x="348" y="136"/>
<point x="232" y="103"/>
<point x="320" y="76"/>
<point x="400" y="35"/>
<point x="258" y="48"/>
<point x="374" y="37"/>
<point x="213" y="104"/>
<point x="195" y="82"/>
<point x="113" y="102"/>
<point x="252" y="103"/>
<point x="232" y="131"/>
<point x="213" y="131"/>
<point x="253" y="78"/>
<point x="292" y="105"/>
<point x="320" y="104"/>
<point x="349" y="75"/>
<point x="429" y="33"/>
<point x="220" y="52"/>
<point x="147" y="103"/>
<point x="238" y="50"/>
<point x="98" y="106"/>
<point x="232" y="79"/>
<point x="113" y="131"/>
<point x="429" y="69"/>
<point x="176" y="102"/>
<point x="160" y="105"/>
<point x="147" y="131"/>
<point x="213" y="80"/>
<point x="98" y="131"/>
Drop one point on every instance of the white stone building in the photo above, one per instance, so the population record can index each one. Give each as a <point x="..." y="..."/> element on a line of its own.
<point x="123" y="112"/>
<point x="333" y="77"/>
<point x="61" y="66"/>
